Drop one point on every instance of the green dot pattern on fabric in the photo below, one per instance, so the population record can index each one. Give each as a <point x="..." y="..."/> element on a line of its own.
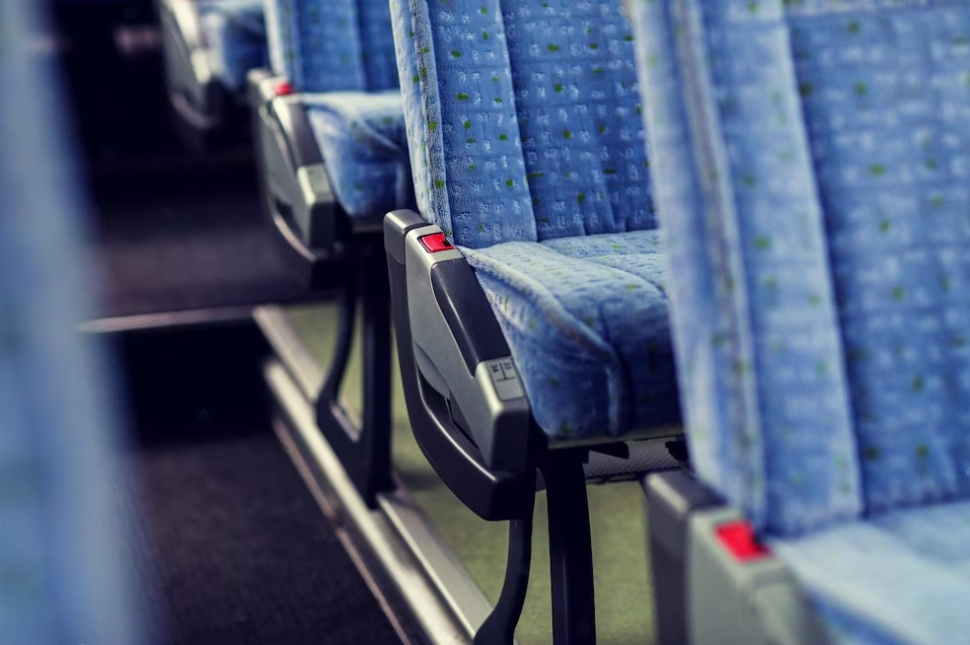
<point x="527" y="43"/>
<point x="890" y="213"/>
<point x="304" y="47"/>
<point x="535" y="150"/>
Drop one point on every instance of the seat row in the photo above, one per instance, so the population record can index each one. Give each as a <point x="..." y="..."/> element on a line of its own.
<point x="599" y="215"/>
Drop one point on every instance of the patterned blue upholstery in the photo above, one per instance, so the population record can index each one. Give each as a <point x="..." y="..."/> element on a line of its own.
<point x="759" y="357"/>
<point x="587" y="320"/>
<point x="235" y="33"/>
<point x="810" y="160"/>
<point x="914" y="561"/>
<point x="523" y="119"/>
<point x="332" y="45"/>
<point x="364" y="146"/>
<point x="898" y="258"/>
<point x="524" y="139"/>
<point x="63" y="580"/>
<point x="340" y="55"/>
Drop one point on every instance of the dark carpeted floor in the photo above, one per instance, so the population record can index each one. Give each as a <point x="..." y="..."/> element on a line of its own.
<point x="233" y="547"/>
<point x="192" y="239"/>
<point x="173" y="230"/>
<point x="242" y="555"/>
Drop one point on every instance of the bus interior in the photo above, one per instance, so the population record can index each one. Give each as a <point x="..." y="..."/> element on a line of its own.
<point x="484" y="321"/>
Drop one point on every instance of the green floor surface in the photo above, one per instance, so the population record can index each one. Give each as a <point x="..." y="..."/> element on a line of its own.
<point x="624" y="596"/>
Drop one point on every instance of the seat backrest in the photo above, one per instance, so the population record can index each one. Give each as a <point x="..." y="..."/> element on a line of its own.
<point x="247" y="15"/>
<point x="522" y="118"/>
<point x="811" y="165"/>
<point x="332" y="45"/>
<point x="62" y="579"/>
<point x="236" y="32"/>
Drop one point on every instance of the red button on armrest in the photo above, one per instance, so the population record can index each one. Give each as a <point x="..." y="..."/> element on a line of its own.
<point x="435" y="242"/>
<point x="738" y="538"/>
<point x="283" y="89"/>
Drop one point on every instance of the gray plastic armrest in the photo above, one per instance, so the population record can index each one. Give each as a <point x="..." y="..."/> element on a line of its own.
<point x="298" y="187"/>
<point x="742" y="602"/>
<point x="184" y="42"/>
<point x="485" y="385"/>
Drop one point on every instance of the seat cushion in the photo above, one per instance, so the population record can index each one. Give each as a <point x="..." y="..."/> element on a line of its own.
<point x="586" y="320"/>
<point x="236" y="37"/>
<point x="898" y="578"/>
<point x="361" y="136"/>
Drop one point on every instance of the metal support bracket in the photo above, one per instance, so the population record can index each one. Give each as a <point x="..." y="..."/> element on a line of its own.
<point x="499" y="627"/>
<point x="365" y="452"/>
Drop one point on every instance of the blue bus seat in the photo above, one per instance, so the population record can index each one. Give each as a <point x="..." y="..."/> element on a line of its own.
<point x="810" y="167"/>
<point x="209" y="47"/>
<point x="331" y="124"/>
<point x="529" y="286"/>
<point x="62" y="534"/>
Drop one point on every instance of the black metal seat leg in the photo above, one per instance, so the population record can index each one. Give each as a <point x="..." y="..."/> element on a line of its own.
<point x="378" y="364"/>
<point x="499" y="627"/>
<point x="570" y="549"/>
<point x="570" y="559"/>
<point x="330" y="392"/>
<point x="365" y="452"/>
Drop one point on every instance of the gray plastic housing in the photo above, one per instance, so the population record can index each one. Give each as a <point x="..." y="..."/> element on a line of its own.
<point x="489" y="393"/>
<point x="705" y="594"/>
<point x="193" y="90"/>
<point x="295" y="183"/>
<point x="735" y="602"/>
